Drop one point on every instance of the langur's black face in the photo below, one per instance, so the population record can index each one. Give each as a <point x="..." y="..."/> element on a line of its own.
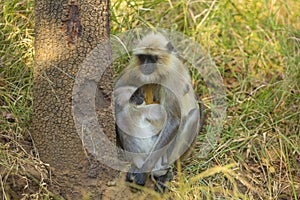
<point x="144" y="58"/>
<point x="148" y="63"/>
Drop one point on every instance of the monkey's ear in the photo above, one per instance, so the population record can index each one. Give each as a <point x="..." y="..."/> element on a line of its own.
<point x="170" y="47"/>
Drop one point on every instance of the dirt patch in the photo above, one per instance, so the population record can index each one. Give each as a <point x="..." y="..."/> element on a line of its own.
<point x="119" y="189"/>
<point x="24" y="176"/>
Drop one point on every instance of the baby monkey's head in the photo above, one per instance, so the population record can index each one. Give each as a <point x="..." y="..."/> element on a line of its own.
<point x="152" y="54"/>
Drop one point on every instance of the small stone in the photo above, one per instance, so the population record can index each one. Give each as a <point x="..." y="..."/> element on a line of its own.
<point x="111" y="183"/>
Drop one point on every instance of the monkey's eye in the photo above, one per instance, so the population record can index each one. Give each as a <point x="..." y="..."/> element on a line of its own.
<point x="153" y="58"/>
<point x="144" y="58"/>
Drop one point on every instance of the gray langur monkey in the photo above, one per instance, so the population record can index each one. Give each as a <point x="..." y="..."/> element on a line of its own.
<point x="157" y="114"/>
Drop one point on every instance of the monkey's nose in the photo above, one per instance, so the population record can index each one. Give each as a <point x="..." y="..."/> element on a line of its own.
<point x="147" y="69"/>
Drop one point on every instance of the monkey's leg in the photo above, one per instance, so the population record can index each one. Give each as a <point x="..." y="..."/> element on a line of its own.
<point x="134" y="176"/>
<point x="161" y="180"/>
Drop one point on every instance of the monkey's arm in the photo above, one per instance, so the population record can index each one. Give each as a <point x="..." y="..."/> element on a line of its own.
<point x="186" y="134"/>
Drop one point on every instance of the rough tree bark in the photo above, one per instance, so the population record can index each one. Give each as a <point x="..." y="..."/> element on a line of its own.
<point x="65" y="32"/>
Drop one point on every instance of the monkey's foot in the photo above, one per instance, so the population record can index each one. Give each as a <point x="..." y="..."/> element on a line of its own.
<point x="138" y="178"/>
<point x="161" y="180"/>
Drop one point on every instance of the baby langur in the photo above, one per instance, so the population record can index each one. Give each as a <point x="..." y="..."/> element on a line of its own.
<point x="157" y="114"/>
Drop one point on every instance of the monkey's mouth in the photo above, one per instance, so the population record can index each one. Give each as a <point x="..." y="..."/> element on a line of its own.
<point x="148" y="68"/>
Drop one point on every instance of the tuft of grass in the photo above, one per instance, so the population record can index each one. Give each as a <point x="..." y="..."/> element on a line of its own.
<point x="22" y="174"/>
<point x="16" y="60"/>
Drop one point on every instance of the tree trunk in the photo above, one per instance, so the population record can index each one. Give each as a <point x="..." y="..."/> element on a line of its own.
<point x="65" y="32"/>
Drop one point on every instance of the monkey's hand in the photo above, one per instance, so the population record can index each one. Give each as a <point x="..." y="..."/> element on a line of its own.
<point x="122" y="96"/>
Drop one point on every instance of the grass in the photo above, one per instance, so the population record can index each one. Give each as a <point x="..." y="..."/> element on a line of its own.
<point x="21" y="173"/>
<point x="256" y="47"/>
